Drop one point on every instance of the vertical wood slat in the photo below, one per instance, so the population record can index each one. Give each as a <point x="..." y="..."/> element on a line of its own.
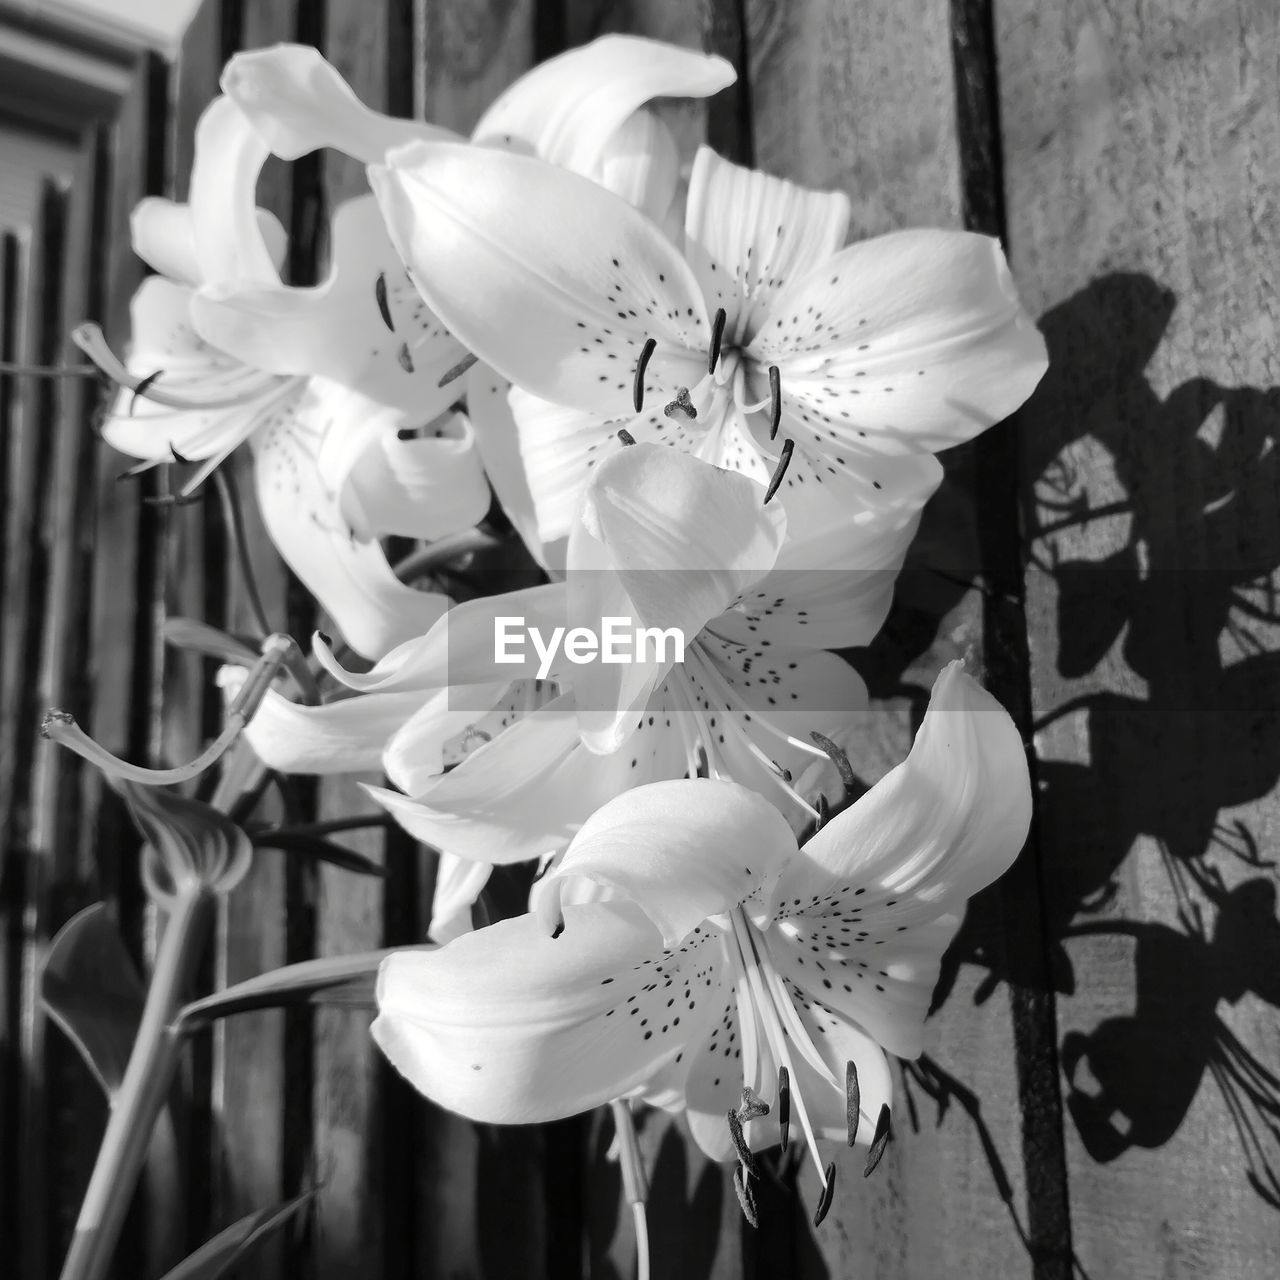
<point x="863" y="98"/>
<point x="11" y="879"/>
<point x="249" y="1068"/>
<point x="26" y="572"/>
<point x="1142" y="150"/>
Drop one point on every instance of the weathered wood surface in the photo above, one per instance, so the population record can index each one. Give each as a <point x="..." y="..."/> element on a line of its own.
<point x="1102" y="1085"/>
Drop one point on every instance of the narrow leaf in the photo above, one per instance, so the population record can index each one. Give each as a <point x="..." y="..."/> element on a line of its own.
<point x="322" y="850"/>
<point x="92" y="991"/>
<point x="232" y="1246"/>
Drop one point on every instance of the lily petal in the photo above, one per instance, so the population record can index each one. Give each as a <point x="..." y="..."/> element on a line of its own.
<point x="303" y="516"/>
<point x="347" y="736"/>
<point x="458" y="885"/>
<point x="683" y="851"/>
<point x="568" y="108"/>
<point x="162" y="235"/>
<point x="426" y="486"/>
<point x="338" y="328"/>
<point x="683" y="540"/>
<point x="165" y="343"/>
<point x="297" y="102"/>
<point x="749" y="235"/>
<point x="884" y="881"/>
<point x="226" y="230"/>
<point x="641" y="164"/>
<point x="907" y="342"/>
<point x="545" y="275"/>
<point x="508" y="1025"/>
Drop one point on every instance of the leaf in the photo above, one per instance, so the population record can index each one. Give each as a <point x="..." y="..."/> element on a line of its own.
<point x="233" y="1245"/>
<point x="333" y="980"/>
<point x="336" y="855"/>
<point x="93" y="992"/>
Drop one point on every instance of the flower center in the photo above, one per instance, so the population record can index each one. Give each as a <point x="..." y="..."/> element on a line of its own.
<point x="771" y="1030"/>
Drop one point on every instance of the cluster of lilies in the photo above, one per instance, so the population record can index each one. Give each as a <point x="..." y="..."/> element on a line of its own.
<point x="699" y="408"/>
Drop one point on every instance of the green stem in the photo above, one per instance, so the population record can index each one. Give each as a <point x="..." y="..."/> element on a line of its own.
<point x="143" y="1092"/>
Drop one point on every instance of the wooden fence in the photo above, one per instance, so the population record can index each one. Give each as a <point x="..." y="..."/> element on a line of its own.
<point x="1101" y="1094"/>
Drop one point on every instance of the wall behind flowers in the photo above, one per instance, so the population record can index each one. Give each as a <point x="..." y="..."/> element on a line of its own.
<point x="1101" y="1091"/>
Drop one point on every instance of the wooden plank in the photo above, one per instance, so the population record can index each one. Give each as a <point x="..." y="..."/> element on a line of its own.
<point x="26" y="574"/>
<point x="250" y="1082"/>
<point x="1141" y="150"/>
<point x="350" y="1238"/>
<point x="11" y="292"/>
<point x="862" y="97"/>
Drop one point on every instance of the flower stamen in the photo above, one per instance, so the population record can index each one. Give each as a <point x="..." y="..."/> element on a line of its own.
<point x="838" y="757"/>
<point x="384" y="309"/>
<point x="717" y="336"/>
<point x="879" y="1141"/>
<point x="784" y="1106"/>
<point x="625" y="436"/>
<point x="853" y="1100"/>
<point x="784" y="461"/>
<point x="775" y="400"/>
<point x="457" y="371"/>
<point x="637" y="386"/>
<point x="828" y="1190"/>
<point x="681" y="404"/>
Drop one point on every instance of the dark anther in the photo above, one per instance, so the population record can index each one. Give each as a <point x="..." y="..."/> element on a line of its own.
<point x="824" y="1204"/>
<point x="558" y="930"/>
<point x="784" y="1105"/>
<point x="775" y="400"/>
<point x="746" y="1200"/>
<point x="852" y="1100"/>
<point x="878" y="1142"/>
<point x="141" y="389"/>
<point x="406" y="360"/>
<point x="838" y="758"/>
<point x="380" y="292"/>
<point x="824" y="810"/>
<point x="784" y="461"/>
<point x="625" y="436"/>
<point x="458" y="370"/>
<point x="740" y="1143"/>
<point x="637" y="387"/>
<point x="178" y="458"/>
<point x="717" y="334"/>
<point x="752" y="1106"/>
<point x="681" y="404"/>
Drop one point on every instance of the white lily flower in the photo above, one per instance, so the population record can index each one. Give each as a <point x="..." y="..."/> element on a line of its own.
<point x="584" y="110"/>
<point x="728" y="958"/>
<point x="667" y="541"/>
<point x="321" y="382"/>
<point x="869" y="358"/>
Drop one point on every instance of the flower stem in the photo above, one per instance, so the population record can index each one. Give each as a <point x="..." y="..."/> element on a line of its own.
<point x="143" y="1091"/>
<point x="635" y="1186"/>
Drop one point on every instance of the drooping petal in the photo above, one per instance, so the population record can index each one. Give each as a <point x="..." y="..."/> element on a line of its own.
<point x="163" y="236"/>
<point x="164" y="343"/>
<point x="297" y="102"/>
<point x="458" y="885"/>
<point x="549" y="278"/>
<point x="640" y="163"/>
<point x="568" y="108"/>
<point x="749" y="235"/>
<point x="907" y="342"/>
<point x="382" y="340"/>
<point x="683" y="540"/>
<point x="302" y="512"/>
<point x="425" y="486"/>
<point x="226" y="230"/>
<point x="526" y="793"/>
<point x="498" y="443"/>
<point x="683" y="851"/>
<point x="347" y="736"/>
<point x="508" y="1025"/>
<point x="881" y="885"/>
<point x="447" y="726"/>
<point x="461" y="649"/>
